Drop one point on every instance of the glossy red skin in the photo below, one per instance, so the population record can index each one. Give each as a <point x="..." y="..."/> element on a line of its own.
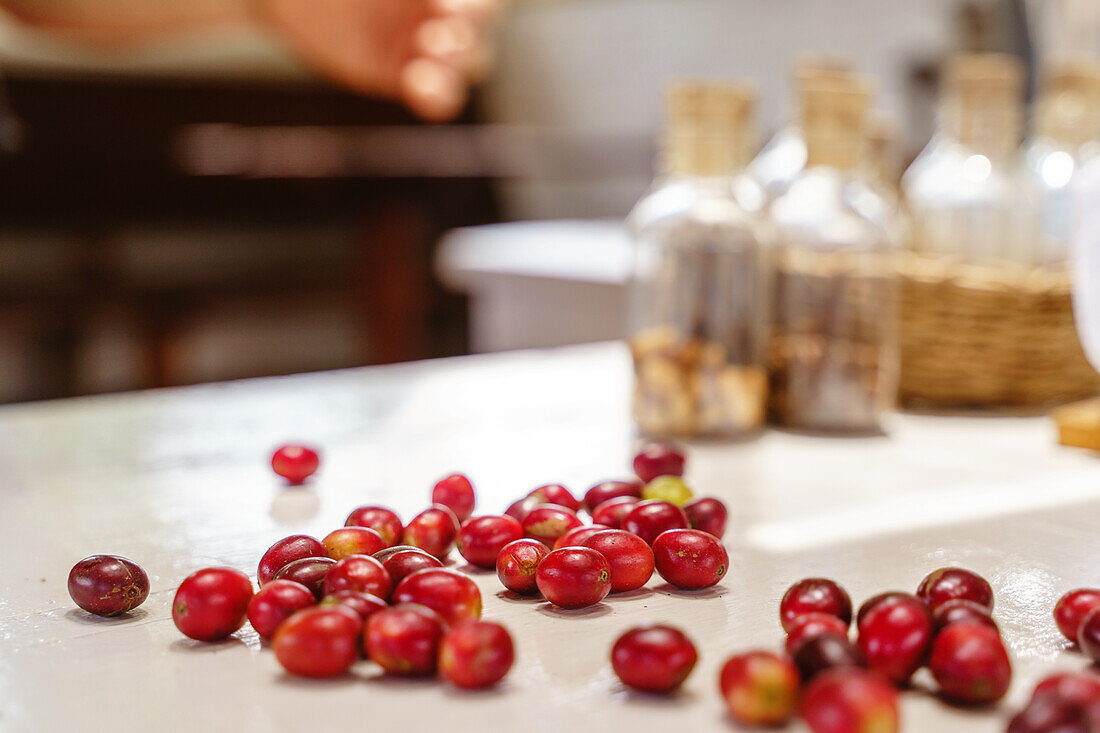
<point x="1076" y="688"/>
<point x="482" y="538"/>
<point x="760" y="688"/>
<point x="970" y="663"/>
<point x="612" y="512"/>
<point x="577" y="536"/>
<point x="873" y="601"/>
<point x="651" y="517"/>
<point x="295" y="463"/>
<point x="708" y="515"/>
<point x="1088" y="636"/>
<point x="274" y="603"/>
<point x="520" y="508"/>
<point x="383" y="555"/>
<point x="658" y="459"/>
<point x="319" y="642"/>
<point x="959" y="611"/>
<point x="382" y="520"/>
<point x="517" y="564"/>
<point x="402" y="564"/>
<point x="547" y="522"/>
<point x="629" y="557"/>
<point x="896" y="637"/>
<point x="814" y="595"/>
<point x="1051" y="715"/>
<point x="212" y="603"/>
<point x="286" y="551"/>
<point x="558" y="495"/>
<point x="404" y="640"/>
<point x="850" y="700"/>
<point x="432" y="530"/>
<point x="945" y="584"/>
<point x="310" y="572"/>
<point x="824" y="652"/>
<point x="1072" y="608"/>
<point x="812" y="625"/>
<point x="447" y="592"/>
<point x="359" y="572"/>
<point x="574" y="577"/>
<point x="364" y="604"/>
<point x="457" y="494"/>
<point x="108" y="585"/>
<point x="476" y="654"/>
<point x="690" y="558"/>
<point x="605" y="490"/>
<point x="352" y="541"/>
<point x="653" y="658"/>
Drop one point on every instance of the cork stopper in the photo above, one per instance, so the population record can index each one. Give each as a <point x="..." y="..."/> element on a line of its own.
<point x="983" y="100"/>
<point x="1068" y="109"/>
<point x="834" y="117"/>
<point x="708" y="127"/>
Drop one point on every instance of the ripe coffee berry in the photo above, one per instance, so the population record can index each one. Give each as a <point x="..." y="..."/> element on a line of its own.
<point x="1051" y="715"/>
<point x="760" y="688"/>
<point x="628" y="556"/>
<point x="668" y="488"/>
<point x="653" y="658"/>
<point x="649" y="518"/>
<point x="212" y="603"/>
<point x="959" y="611"/>
<point x="814" y="595"/>
<point x="881" y="598"/>
<point x="690" y="558"/>
<point x="517" y="563"/>
<point x="708" y="515"/>
<point x="605" y="490"/>
<point x="970" y="664"/>
<point x="108" y="585"/>
<point x="811" y="625"/>
<point x="520" y="508"/>
<point x="382" y="520"/>
<point x="286" y="551"/>
<point x="447" y="592"/>
<point x="401" y="565"/>
<point x="612" y="512"/>
<point x="456" y="493"/>
<point x="547" y="522"/>
<point x="364" y="604"/>
<point x="658" y="459"/>
<point x="1072" y="608"/>
<point x="895" y="638"/>
<point x="274" y="603"/>
<point x="1077" y="688"/>
<point x="574" y="577"/>
<point x="360" y="573"/>
<point x="404" y="640"/>
<point x="827" y="651"/>
<point x="433" y="530"/>
<point x="310" y="572"/>
<point x="481" y="539"/>
<point x="577" y="536"/>
<point x="1088" y="636"/>
<point x="295" y="463"/>
<point x="946" y="584"/>
<point x="476" y="654"/>
<point x="558" y="495"/>
<point x="352" y="541"/>
<point x="850" y="700"/>
<point x="319" y="642"/>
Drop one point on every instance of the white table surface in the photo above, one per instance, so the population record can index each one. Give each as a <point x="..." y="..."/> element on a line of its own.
<point x="179" y="480"/>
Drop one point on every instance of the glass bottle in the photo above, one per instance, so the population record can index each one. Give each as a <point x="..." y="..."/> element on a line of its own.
<point x="1066" y="137"/>
<point x="699" y="291"/>
<point x="966" y="192"/>
<point x="833" y="351"/>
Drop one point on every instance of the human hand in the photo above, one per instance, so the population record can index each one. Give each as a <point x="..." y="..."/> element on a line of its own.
<point x="424" y="53"/>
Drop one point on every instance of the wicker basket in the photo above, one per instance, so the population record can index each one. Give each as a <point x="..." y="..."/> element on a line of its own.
<point x="988" y="336"/>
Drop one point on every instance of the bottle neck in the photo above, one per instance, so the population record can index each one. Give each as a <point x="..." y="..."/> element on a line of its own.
<point x="1071" y="120"/>
<point x="990" y="126"/>
<point x="702" y="155"/>
<point x="835" y="147"/>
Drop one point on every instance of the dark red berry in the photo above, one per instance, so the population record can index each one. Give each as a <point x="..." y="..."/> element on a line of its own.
<point x="1072" y="608"/>
<point x="811" y="625"/>
<point x="629" y="557"/>
<point x="574" y="577"/>
<point x="970" y="663"/>
<point x="402" y="564"/>
<point x="1078" y="688"/>
<point x="690" y="558"/>
<point x="558" y="495"/>
<point x="1088" y="636"/>
<point x="577" y="536"/>
<point x="433" y="530"/>
<point x="958" y="611"/>
<point x="520" y="508"/>
<point x="517" y="563"/>
<point x="404" y="640"/>
<point x="658" y="459"/>
<point x="382" y="520"/>
<point x="449" y="593"/>
<point x="457" y="493"/>
<point x="881" y="598"/>
<point x="651" y="517"/>
<point x="286" y="551"/>
<point x="850" y="700"/>
<point x="612" y="512"/>
<point x="605" y="490"/>
<point x="295" y="463"/>
<point x="708" y="515"/>
<point x="274" y="603"/>
<point x="895" y="638"/>
<point x="360" y="573"/>
<point x="946" y="584"/>
<point x="653" y="658"/>
<point x="760" y="688"/>
<point x="212" y="603"/>
<point x="547" y="522"/>
<point x="481" y="539"/>
<point x="819" y="653"/>
<point x="1050" y="715"/>
<point x="364" y="604"/>
<point x="319" y="642"/>
<point x="814" y="595"/>
<point x="310" y="572"/>
<point x="108" y="585"/>
<point x="476" y="654"/>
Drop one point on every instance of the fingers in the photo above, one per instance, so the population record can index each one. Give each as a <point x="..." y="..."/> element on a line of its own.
<point x="433" y="90"/>
<point x="455" y="41"/>
<point x="482" y="12"/>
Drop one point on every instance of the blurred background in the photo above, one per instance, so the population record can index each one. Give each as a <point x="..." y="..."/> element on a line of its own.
<point x="201" y="205"/>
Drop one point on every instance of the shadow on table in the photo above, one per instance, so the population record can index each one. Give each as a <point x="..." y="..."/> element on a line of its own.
<point x="294" y="505"/>
<point x="630" y="595"/>
<point x="190" y="646"/>
<point x="510" y="597"/>
<point x="549" y="609"/>
<point x="716" y="591"/>
<point x="90" y="619"/>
